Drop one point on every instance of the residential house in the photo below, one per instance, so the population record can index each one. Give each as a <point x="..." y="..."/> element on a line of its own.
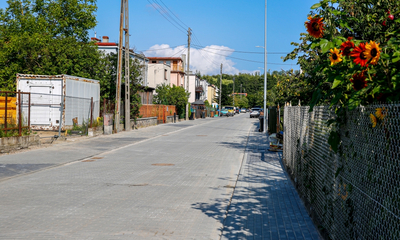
<point x="177" y="65"/>
<point x="158" y="73"/>
<point x="194" y="81"/>
<point x="211" y="93"/>
<point x="108" y="47"/>
<point x="204" y="85"/>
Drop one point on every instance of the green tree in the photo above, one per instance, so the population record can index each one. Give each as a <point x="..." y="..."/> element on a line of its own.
<point x="46" y="37"/>
<point x="107" y="74"/>
<point x="174" y="95"/>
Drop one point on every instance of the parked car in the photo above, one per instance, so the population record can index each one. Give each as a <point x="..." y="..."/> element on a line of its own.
<point x="255" y="112"/>
<point x="229" y="111"/>
<point x="237" y="110"/>
<point x="243" y="110"/>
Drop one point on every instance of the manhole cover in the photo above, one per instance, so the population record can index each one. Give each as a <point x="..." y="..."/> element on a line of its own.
<point x="163" y="164"/>
<point x="89" y="160"/>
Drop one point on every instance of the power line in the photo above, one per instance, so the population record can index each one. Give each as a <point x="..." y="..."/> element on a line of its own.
<point x="180" y="29"/>
<point x="235" y="51"/>
<point x="174" y="14"/>
<point x="167" y="14"/>
<point x="241" y="58"/>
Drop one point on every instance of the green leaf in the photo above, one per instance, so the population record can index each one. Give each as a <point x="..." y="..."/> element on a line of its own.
<point x="385" y="56"/>
<point x="334" y="140"/>
<point x="396" y="59"/>
<point x="317" y="5"/>
<point x="314" y="45"/>
<point x="376" y="89"/>
<point x="336" y="100"/>
<point x="325" y="45"/>
<point x="354" y="102"/>
<point x="336" y="83"/>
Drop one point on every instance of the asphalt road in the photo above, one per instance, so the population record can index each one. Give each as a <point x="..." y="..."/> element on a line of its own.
<point x="172" y="181"/>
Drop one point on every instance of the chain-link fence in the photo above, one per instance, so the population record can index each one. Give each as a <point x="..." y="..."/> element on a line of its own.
<point x="49" y="111"/>
<point x="355" y="194"/>
<point x="14" y="116"/>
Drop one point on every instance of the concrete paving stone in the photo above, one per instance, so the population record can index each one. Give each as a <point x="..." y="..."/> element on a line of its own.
<point x="267" y="187"/>
<point x="172" y="181"/>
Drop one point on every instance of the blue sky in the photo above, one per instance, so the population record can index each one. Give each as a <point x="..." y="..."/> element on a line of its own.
<point x="220" y="28"/>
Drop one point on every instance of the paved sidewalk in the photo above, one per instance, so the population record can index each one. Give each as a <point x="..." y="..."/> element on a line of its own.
<point x="265" y="204"/>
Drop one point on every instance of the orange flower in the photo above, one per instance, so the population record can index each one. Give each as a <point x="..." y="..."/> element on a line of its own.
<point x="315" y="27"/>
<point x="347" y="46"/>
<point x="359" y="81"/>
<point x="373" y="52"/>
<point x="335" y="56"/>
<point x="359" y="54"/>
<point x="373" y="120"/>
<point x="381" y="113"/>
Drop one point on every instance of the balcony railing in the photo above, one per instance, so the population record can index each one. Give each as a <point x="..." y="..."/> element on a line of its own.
<point x="176" y="68"/>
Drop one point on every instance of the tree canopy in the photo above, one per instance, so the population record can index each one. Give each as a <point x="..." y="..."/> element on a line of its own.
<point x="46" y="37"/>
<point x="167" y="95"/>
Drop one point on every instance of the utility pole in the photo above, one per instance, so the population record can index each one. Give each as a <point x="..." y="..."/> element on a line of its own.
<point x="240" y="91"/>
<point x="119" y="72"/>
<point x="127" y="81"/>
<point x="233" y="91"/>
<point x="265" y="130"/>
<point x="220" y="92"/>
<point x="187" y="71"/>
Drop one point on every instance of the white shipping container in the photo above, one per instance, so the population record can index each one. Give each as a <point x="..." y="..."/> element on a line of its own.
<point x="47" y="94"/>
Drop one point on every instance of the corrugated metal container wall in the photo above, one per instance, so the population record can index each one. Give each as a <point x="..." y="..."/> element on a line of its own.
<point x="45" y="99"/>
<point x="46" y="92"/>
<point x="77" y="101"/>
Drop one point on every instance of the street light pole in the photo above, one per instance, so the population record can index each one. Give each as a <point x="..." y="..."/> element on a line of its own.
<point x="265" y="71"/>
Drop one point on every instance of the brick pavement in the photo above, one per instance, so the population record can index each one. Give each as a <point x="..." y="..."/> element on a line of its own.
<point x="265" y="204"/>
<point x="172" y="181"/>
<point x="160" y="188"/>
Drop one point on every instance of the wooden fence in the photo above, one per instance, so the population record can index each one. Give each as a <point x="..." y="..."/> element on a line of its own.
<point x="159" y="111"/>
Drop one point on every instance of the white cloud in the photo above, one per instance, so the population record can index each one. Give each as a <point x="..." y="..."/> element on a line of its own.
<point x="207" y="60"/>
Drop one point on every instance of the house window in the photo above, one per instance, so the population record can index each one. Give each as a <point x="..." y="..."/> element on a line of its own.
<point x="162" y="62"/>
<point x="153" y="61"/>
<point x="165" y="74"/>
<point x="168" y="63"/>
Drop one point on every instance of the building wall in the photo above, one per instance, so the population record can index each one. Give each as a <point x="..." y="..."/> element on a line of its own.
<point x="211" y="93"/>
<point x="177" y="79"/>
<point x="158" y="74"/>
<point x="192" y="88"/>
<point x="204" y="84"/>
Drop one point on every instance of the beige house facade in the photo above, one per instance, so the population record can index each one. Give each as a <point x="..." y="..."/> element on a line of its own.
<point x="177" y="68"/>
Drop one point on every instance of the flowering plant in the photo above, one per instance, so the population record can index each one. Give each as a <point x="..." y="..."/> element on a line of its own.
<point x="351" y="55"/>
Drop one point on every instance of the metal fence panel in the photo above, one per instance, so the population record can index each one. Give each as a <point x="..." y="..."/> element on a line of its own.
<point x="356" y="192"/>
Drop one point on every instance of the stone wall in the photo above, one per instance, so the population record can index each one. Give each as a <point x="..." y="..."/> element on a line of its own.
<point x="144" y="122"/>
<point x="8" y="144"/>
<point x="95" y="131"/>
